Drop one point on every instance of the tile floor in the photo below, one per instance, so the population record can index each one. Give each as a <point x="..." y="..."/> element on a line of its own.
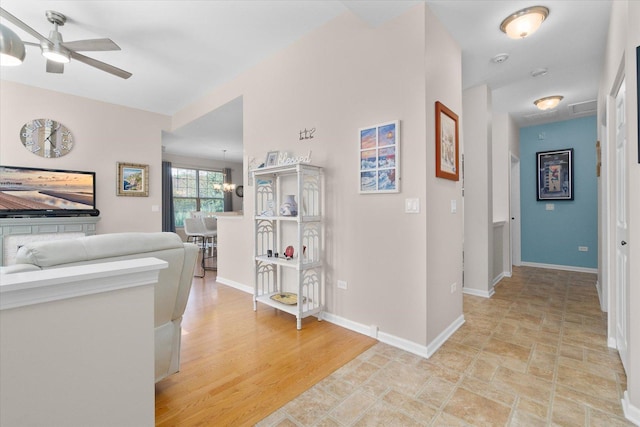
<point x="535" y="354"/>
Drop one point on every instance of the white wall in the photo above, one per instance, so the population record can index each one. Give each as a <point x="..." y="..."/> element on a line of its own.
<point x="341" y="77"/>
<point x="478" y="204"/>
<point x="624" y="36"/>
<point x="103" y="134"/>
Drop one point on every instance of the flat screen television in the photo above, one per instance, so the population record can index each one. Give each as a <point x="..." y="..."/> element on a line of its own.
<point x="35" y="192"/>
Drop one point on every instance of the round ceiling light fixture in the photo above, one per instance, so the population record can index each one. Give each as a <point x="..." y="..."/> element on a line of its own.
<point x="524" y="22"/>
<point x="549" y="102"/>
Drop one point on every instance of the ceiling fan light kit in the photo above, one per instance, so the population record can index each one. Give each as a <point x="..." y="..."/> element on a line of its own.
<point x="548" y="103"/>
<point x="54" y="49"/>
<point x="12" y="51"/>
<point x="524" y="22"/>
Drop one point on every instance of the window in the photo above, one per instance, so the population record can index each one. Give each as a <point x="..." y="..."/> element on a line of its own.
<point x="193" y="191"/>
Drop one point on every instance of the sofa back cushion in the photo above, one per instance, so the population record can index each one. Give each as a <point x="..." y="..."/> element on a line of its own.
<point x="174" y="282"/>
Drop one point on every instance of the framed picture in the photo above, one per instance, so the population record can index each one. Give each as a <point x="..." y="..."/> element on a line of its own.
<point x="555" y="175"/>
<point x="133" y="180"/>
<point x="272" y="159"/>
<point x="447" y="163"/>
<point x="379" y="150"/>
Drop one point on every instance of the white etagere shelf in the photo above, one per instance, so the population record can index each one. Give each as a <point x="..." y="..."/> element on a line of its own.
<point x="302" y="274"/>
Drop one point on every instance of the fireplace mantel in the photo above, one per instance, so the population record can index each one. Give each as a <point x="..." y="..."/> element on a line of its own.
<point x="15" y="232"/>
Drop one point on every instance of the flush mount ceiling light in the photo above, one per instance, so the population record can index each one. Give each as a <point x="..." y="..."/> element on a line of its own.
<point x="548" y="102"/>
<point x="11" y="47"/>
<point x="524" y="22"/>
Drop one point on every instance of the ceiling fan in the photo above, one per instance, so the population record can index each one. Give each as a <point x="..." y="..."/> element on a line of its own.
<point x="59" y="52"/>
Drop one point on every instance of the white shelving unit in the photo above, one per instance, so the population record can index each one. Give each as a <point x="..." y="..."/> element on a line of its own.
<point x="302" y="274"/>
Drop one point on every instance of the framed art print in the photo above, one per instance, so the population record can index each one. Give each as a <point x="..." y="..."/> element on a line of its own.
<point x="379" y="148"/>
<point x="447" y="146"/>
<point x="133" y="180"/>
<point x="555" y="175"/>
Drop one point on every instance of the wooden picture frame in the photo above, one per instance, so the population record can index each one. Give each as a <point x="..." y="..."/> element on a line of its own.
<point x="554" y="175"/>
<point x="132" y="180"/>
<point x="379" y="153"/>
<point x="447" y="143"/>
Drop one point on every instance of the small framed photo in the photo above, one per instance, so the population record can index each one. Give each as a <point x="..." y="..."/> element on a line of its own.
<point x="379" y="148"/>
<point x="133" y="180"/>
<point x="446" y="143"/>
<point x="272" y="159"/>
<point x="555" y="175"/>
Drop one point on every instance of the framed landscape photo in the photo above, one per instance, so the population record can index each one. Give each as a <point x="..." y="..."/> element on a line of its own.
<point x="132" y="180"/>
<point x="555" y="175"/>
<point x="447" y="145"/>
<point x="379" y="150"/>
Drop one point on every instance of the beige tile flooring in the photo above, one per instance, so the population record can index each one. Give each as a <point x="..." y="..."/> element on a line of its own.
<point x="534" y="354"/>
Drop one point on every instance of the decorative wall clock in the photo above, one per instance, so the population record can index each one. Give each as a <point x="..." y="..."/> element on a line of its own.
<point x="46" y="138"/>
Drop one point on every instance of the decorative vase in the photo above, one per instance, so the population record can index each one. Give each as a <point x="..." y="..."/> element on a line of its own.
<point x="289" y="207"/>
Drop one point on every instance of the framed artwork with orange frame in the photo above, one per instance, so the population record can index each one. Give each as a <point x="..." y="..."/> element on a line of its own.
<point x="447" y="143"/>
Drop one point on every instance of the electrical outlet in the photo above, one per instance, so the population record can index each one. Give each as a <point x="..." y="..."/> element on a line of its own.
<point x="342" y="284"/>
<point x="583" y="248"/>
<point x="454" y="285"/>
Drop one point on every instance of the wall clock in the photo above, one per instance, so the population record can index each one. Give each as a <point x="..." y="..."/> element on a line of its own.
<point x="240" y="191"/>
<point x="46" y="138"/>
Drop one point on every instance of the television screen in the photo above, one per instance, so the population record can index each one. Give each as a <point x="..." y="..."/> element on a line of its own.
<point x="46" y="192"/>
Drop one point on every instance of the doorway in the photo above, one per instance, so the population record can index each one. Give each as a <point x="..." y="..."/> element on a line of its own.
<point x="514" y="211"/>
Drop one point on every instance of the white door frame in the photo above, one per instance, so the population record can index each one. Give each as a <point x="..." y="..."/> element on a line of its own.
<point x="620" y="234"/>
<point x="514" y="211"/>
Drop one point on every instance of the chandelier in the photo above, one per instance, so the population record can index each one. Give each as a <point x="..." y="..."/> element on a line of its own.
<point x="225" y="187"/>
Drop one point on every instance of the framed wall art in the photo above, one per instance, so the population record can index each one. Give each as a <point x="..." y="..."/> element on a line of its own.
<point x="447" y="145"/>
<point x="379" y="149"/>
<point x="555" y="175"/>
<point x="132" y="180"/>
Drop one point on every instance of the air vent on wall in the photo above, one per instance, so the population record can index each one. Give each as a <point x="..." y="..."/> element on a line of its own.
<point x="583" y="108"/>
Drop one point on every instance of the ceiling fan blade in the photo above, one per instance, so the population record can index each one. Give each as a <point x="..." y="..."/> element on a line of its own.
<point x="101" y="65"/>
<point x="18" y="23"/>
<point x="92" y="44"/>
<point x="55" y="67"/>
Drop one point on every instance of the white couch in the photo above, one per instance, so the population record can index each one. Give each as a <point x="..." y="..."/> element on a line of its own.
<point x="171" y="292"/>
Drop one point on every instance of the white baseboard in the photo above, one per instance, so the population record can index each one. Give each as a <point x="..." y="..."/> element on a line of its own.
<point x="479" y="293"/>
<point x="372" y="331"/>
<point x="444" y="335"/>
<point x="560" y="267"/>
<point x="349" y="324"/>
<point x="611" y="343"/>
<point x="392" y="340"/>
<point x="498" y="278"/>
<point x="237" y="285"/>
<point x="631" y="412"/>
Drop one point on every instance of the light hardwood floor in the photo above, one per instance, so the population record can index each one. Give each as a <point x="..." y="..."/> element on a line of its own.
<point x="238" y="366"/>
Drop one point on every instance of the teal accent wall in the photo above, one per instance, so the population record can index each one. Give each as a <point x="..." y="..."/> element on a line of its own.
<point x="553" y="236"/>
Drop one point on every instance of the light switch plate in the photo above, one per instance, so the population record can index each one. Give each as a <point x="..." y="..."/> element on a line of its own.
<point x="411" y="205"/>
<point x="454" y="206"/>
<point x="550" y="206"/>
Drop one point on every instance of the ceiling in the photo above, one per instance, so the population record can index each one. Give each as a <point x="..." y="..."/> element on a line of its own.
<point x="218" y="40"/>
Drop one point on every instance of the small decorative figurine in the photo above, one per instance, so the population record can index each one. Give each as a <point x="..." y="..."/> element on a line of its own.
<point x="289" y="207"/>
<point x="288" y="252"/>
